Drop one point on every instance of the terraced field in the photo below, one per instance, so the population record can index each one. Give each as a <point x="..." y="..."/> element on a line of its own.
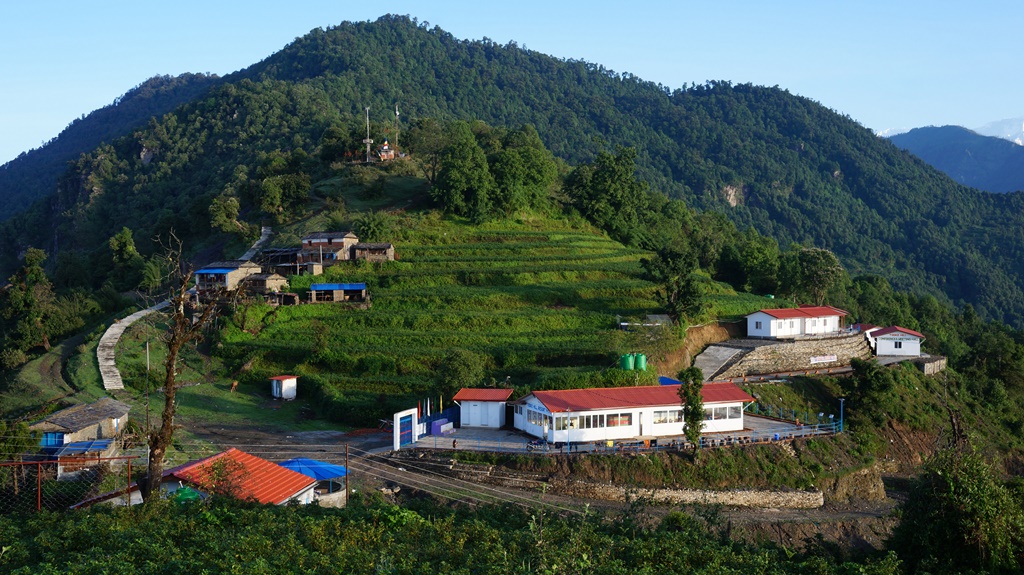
<point x="539" y="306"/>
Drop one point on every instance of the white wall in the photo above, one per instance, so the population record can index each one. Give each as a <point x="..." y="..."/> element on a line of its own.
<point x="907" y="345"/>
<point x="766" y="321"/>
<point x="641" y="419"/>
<point x="482" y="414"/>
<point x="820" y="325"/>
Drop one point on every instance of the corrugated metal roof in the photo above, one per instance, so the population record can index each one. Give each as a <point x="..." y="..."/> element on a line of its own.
<point x="284" y="377"/>
<point x="474" y="394"/>
<point x="79" y="417"/>
<point x="337" y="287"/>
<point x="803" y="312"/>
<point x="328" y="235"/>
<point x="896" y="329"/>
<point x="255" y="478"/>
<point x="643" y="396"/>
<point x="376" y="246"/>
<point x="215" y="271"/>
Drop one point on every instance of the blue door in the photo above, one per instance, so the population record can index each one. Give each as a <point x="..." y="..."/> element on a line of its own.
<point x="405" y="430"/>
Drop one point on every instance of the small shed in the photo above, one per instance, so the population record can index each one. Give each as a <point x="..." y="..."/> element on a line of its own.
<point x="382" y="252"/>
<point x="284" y="386"/>
<point x="265" y="283"/>
<point x="102" y="419"/>
<point x="897" y="340"/>
<point x="482" y="407"/>
<point x="340" y="292"/>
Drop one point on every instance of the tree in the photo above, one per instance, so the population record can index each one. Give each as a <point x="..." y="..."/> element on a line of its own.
<point x="459" y="368"/>
<point x="811" y="273"/>
<point x="609" y="195"/>
<point x="959" y="517"/>
<point x="673" y="267"/>
<point x="464" y="182"/>
<point x="27" y="304"/>
<point x="183" y="328"/>
<point x="692" y="380"/>
<point x="373" y="226"/>
<point x="127" y="261"/>
<point x="427" y="142"/>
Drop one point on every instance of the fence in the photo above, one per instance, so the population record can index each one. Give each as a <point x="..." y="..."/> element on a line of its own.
<point x="58" y="484"/>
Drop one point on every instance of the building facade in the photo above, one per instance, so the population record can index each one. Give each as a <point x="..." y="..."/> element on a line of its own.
<point x="625" y="413"/>
<point x="789" y="323"/>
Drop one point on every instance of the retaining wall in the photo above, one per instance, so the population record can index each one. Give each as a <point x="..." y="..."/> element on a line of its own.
<point x="796" y="356"/>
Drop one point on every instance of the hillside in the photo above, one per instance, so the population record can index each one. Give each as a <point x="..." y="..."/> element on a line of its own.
<point x="983" y="162"/>
<point x="33" y="175"/>
<point x="787" y="166"/>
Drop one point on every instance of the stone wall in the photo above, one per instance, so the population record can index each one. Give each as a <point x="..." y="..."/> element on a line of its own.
<point x="735" y="498"/>
<point x="796" y="356"/>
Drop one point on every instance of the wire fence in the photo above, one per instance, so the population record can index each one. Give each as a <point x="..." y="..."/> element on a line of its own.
<point x="58" y="484"/>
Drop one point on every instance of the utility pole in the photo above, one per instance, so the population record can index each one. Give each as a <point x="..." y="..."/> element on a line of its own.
<point x="367" y="140"/>
<point x="347" y="473"/>
<point x="396" y="126"/>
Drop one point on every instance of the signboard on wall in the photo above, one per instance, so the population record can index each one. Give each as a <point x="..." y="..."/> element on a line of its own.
<point x="823" y="359"/>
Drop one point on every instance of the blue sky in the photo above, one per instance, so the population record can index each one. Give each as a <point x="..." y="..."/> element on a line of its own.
<point x="886" y="64"/>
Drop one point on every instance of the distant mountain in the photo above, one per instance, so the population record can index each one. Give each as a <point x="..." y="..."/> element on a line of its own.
<point x="33" y="174"/>
<point x="984" y="162"/>
<point x="1011" y="129"/>
<point x="785" y="165"/>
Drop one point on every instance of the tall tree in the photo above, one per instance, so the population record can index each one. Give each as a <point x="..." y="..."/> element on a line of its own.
<point x="27" y="303"/>
<point x="183" y="328"/>
<point x="608" y="193"/>
<point x="692" y="380"/>
<point x="464" y="183"/>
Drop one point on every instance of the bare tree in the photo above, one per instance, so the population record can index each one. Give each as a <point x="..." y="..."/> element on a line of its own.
<point x="184" y="327"/>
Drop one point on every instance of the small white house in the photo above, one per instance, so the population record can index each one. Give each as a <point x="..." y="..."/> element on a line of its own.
<point x="897" y="340"/>
<point x="284" y="386"/>
<point x="614" y="413"/>
<point x="482" y="407"/>
<point x="794" y="322"/>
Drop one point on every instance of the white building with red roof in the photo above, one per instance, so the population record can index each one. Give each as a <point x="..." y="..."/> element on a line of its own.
<point x="795" y="322"/>
<point x="616" y="413"/>
<point x="897" y="340"/>
<point x="482" y="407"/>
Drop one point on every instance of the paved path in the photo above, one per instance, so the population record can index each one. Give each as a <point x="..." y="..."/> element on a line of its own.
<point x="105" y="350"/>
<point x="711" y="360"/>
<point x="264" y="236"/>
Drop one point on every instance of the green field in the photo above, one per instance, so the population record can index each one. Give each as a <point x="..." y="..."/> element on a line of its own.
<point x="538" y="300"/>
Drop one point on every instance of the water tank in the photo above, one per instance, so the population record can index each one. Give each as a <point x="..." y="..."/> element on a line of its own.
<point x="626" y="362"/>
<point x="641" y="362"/>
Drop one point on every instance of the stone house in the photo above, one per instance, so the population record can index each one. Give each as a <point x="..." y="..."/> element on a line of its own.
<point x="380" y="252"/>
<point x="102" y="419"/>
<point x="224" y="276"/>
<point x="328" y="248"/>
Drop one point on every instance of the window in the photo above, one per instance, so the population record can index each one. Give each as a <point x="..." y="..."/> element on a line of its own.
<point x="757" y="325"/>
<point x="735" y="412"/>
<point x="897" y="344"/>
<point x="824" y="323"/>
<point x="672" y="416"/>
<point x="814" y="323"/>
<point x="791" y="324"/>
<point x="620" y="420"/>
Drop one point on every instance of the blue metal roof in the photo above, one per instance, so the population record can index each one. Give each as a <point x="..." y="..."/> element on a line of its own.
<point x="216" y="270"/>
<point x="337" y="287"/>
<point x="662" y="380"/>
<point x="81" y="447"/>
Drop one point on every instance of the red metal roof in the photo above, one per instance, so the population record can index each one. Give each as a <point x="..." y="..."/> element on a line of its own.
<point x="252" y="477"/>
<point x="895" y="329"/>
<point x="644" y="396"/>
<point x="284" y="377"/>
<point x="474" y="394"/>
<point x="804" y="311"/>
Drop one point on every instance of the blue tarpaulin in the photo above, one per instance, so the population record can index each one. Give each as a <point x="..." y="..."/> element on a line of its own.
<point x="662" y="380"/>
<point x="338" y="287"/>
<point x="318" y="470"/>
<point x="216" y="270"/>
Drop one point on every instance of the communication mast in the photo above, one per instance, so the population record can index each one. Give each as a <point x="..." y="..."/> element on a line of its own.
<point x="396" y="125"/>
<point x="367" y="140"/>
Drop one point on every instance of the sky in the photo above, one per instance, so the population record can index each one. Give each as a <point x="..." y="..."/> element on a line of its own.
<point x="886" y="64"/>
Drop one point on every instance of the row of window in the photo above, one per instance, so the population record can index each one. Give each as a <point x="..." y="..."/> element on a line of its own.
<point x="792" y="323"/>
<point x="716" y="413"/>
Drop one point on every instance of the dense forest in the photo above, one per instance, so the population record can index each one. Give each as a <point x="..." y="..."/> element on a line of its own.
<point x="785" y="165"/>
<point x="33" y="174"/>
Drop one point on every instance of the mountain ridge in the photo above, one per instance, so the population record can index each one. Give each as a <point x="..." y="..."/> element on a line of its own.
<point x="767" y="159"/>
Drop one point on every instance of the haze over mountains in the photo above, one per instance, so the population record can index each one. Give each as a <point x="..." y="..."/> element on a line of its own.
<point x="765" y="158"/>
<point x="988" y="163"/>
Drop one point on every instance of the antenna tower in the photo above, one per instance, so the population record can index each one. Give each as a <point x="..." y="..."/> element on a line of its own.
<point x="367" y="140"/>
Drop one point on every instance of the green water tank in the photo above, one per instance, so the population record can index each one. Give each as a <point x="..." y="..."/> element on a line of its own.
<point x="626" y="362"/>
<point x="641" y="362"/>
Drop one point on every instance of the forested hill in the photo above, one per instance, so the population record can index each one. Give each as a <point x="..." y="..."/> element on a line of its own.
<point x="33" y="174"/>
<point x="983" y="162"/>
<point x="784" y="164"/>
